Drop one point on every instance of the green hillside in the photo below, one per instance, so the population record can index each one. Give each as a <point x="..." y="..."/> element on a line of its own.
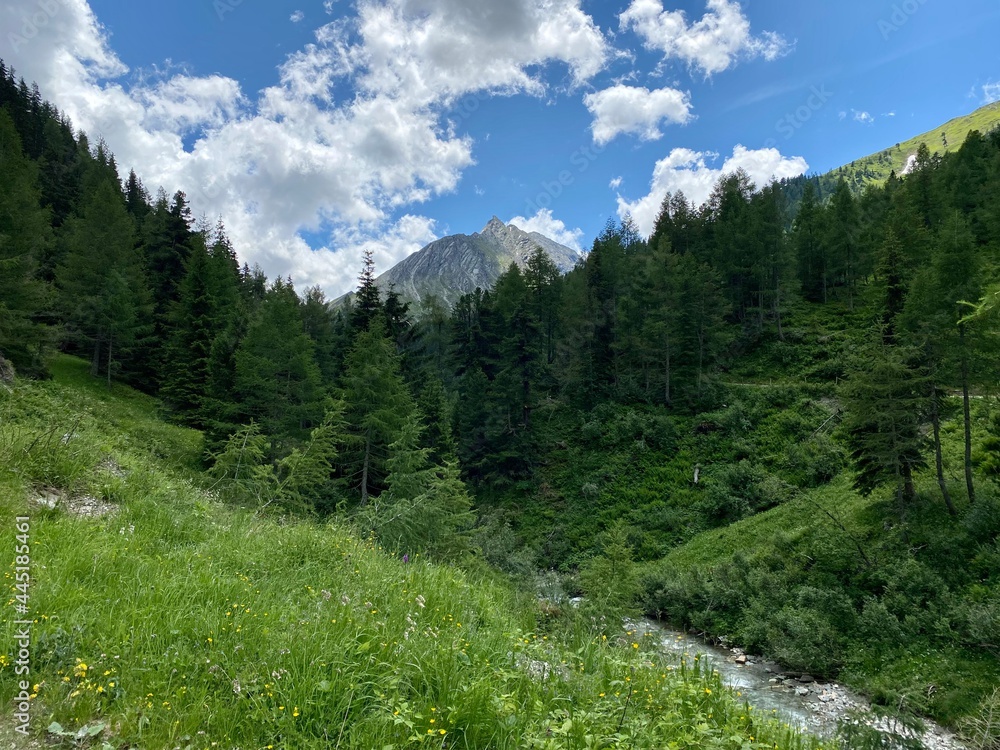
<point x="163" y="618"/>
<point x="876" y="168"/>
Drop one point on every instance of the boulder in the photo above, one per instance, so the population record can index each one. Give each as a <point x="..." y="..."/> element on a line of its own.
<point x="6" y="371"/>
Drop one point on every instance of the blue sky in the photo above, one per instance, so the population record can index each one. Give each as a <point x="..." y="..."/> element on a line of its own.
<point x="317" y="129"/>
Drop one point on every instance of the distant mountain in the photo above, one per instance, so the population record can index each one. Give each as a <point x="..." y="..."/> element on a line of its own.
<point x="452" y="266"/>
<point x="898" y="158"/>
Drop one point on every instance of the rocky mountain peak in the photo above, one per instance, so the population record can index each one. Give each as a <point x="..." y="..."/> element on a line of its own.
<point x="494" y="225"/>
<point x="458" y="264"/>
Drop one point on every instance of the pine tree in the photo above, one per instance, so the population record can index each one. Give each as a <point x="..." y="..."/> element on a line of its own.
<point x="367" y="300"/>
<point x="842" y="238"/>
<point x="102" y="287"/>
<point x="24" y="238"/>
<point x="658" y="297"/>
<point x="318" y="322"/>
<point x="136" y="198"/>
<point x="378" y="406"/>
<point x="885" y="404"/>
<point x="194" y="316"/>
<point x="957" y="267"/>
<point x="891" y="285"/>
<point x="277" y="380"/>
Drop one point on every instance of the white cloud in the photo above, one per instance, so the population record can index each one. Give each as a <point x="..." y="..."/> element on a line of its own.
<point x="865" y="118"/>
<point x="440" y="49"/>
<point x="991" y="93"/>
<point x="546" y="224"/>
<point x="712" y="44"/>
<point x="390" y="245"/>
<point x="615" y="183"/>
<point x="629" y="109"/>
<point x="349" y="136"/>
<point x="297" y="16"/>
<point x="690" y="171"/>
<point x="182" y="103"/>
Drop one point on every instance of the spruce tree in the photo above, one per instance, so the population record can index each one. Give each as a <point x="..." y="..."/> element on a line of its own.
<point x="367" y="300"/>
<point x="25" y="236"/>
<point x="885" y="404"/>
<point x="277" y="380"/>
<point x="426" y="507"/>
<point x="318" y="322"/>
<point x="103" y="291"/>
<point x="378" y="404"/>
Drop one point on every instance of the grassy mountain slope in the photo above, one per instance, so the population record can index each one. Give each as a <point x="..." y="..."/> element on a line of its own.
<point x="875" y="168"/>
<point x="163" y="618"/>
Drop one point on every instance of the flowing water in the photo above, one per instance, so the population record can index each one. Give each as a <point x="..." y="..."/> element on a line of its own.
<point x="797" y="699"/>
<point x="751" y="680"/>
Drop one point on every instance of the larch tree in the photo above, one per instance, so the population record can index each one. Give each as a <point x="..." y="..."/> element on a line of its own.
<point x="103" y="291"/>
<point x="25" y="235"/>
<point x="378" y="405"/>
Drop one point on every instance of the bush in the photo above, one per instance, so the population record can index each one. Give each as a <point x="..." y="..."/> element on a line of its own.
<point x="735" y="491"/>
<point x="804" y="639"/>
<point x="614" y="427"/>
<point x="983" y="519"/>
<point x="611" y="580"/>
<point x="816" y="461"/>
<point x="877" y="625"/>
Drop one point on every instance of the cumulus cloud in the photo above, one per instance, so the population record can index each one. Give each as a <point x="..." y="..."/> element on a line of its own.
<point x="389" y="245"/>
<point x="711" y="44"/>
<point x="297" y="16"/>
<point x="865" y="118"/>
<point x="692" y="172"/>
<point x="350" y="135"/>
<point x="991" y="93"/>
<point x="546" y="224"/>
<point x="615" y="183"/>
<point x="630" y="109"/>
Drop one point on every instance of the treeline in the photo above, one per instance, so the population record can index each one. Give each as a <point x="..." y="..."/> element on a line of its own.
<point x="368" y="405"/>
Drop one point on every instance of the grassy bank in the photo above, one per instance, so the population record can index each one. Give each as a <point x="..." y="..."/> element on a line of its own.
<point x="167" y="619"/>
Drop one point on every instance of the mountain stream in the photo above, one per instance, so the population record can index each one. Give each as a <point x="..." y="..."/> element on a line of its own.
<point x="814" y="706"/>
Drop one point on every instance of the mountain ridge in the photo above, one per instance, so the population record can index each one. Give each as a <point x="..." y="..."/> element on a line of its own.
<point x="945" y="138"/>
<point x="458" y="264"/>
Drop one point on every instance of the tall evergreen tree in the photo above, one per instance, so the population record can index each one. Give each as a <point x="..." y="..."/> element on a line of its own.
<point x="885" y="404"/>
<point x="842" y="238"/>
<point x="367" y="300"/>
<point x="378" y="406"/>
<point x="276" y="378"/>
<point x="25" y="235"/>
<point x="102" y="287"/>
<point x="318" y="322"/>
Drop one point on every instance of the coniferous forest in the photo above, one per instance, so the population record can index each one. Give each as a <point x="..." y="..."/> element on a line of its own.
<point x="773" y="420"/>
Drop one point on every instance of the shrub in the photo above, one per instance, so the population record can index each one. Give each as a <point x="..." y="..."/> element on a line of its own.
<point x="877" y="625"/>
<point x="816" y="461"/>
<point x="804" y="639"/>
